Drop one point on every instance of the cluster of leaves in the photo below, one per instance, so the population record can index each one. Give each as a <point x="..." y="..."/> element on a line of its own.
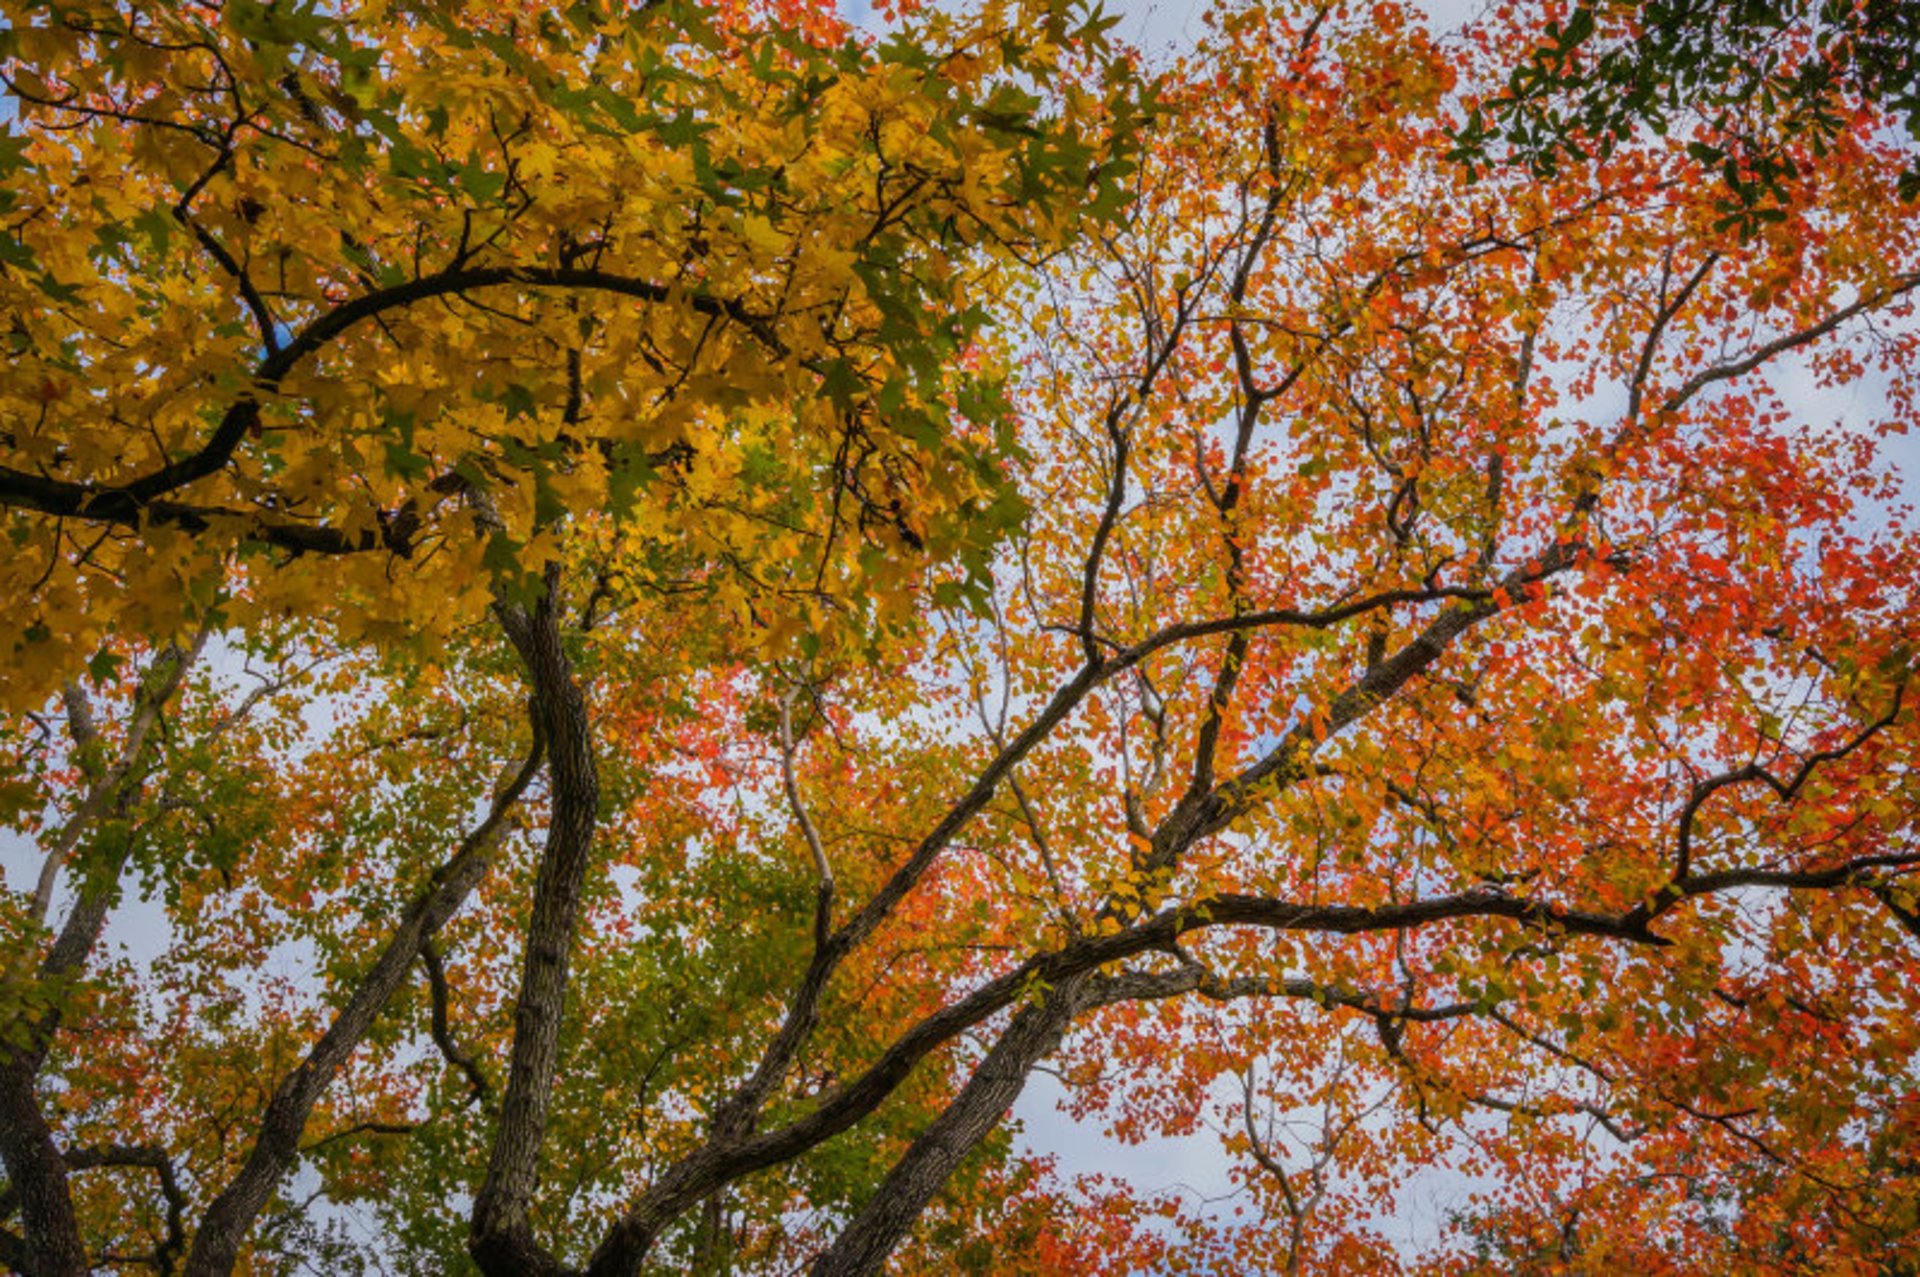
<point x="404" y="285"/>
<point x="749" y="589"/>
<point x="1755" y="84"/>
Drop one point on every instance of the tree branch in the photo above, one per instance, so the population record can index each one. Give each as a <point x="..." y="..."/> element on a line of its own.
<point x="168" y="1252"/>
<point x="125" y="502"/>
<point x="231" y="1215"/>
<point x="1784" y="790"/>
<point x="441" y="1026"/>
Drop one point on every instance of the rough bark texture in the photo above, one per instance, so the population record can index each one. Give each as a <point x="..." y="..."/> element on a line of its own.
<point x="872" y="1235"/>
<point x="217" y="1243"/>
<point x="36" y="1169"/>
<point x="502" y="1241"/>
<point x="38" y="1176"/>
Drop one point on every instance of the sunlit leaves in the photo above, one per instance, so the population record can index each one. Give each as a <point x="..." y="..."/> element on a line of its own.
<point x="417" y="289"/>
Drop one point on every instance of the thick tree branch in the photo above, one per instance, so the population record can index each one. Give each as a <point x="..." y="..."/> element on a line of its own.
<point x="691" y="1180"/>
<point x="1195" y="977"/>
<point x="501" y="1241"/>
<point x="167" y="1254"/>
<point x="232" y="1213"/>
<point x="990" y="1091"/>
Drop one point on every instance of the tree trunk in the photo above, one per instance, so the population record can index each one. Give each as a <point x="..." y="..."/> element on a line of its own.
<point x="501" y="1241"/>
<point x="36" y="1169"/>
<point x="38" y="1176"/>
<point x="1036" y="1030"/>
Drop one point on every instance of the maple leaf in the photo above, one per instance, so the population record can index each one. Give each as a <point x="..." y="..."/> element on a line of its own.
<point x="647" y="610"/>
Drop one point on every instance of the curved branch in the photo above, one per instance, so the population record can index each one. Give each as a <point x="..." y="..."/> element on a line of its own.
<point x="168" y="1252"/>
<point x="695" y="1177"/>
<point x="360" y="1128"/>
<point x="441" y="1028"/>
<point x="124" y="503"/>
<point x="823" y="911"/>
<point x="1784" y="790"/>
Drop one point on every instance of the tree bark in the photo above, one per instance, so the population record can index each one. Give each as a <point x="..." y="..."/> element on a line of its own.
<point x="38" y="1176"/>
<point x="880" y="1225"/>
<point x="36" y="1169"/>
<point x="217" y="1243"/>
<point x="501" y="1240"/>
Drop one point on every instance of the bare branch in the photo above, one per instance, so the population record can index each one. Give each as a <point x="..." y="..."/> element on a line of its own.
<point x="823" y="907"/>
<point x="441" y="1026"/>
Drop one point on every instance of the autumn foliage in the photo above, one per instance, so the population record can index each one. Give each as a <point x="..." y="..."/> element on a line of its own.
<point x="626" y="617"/>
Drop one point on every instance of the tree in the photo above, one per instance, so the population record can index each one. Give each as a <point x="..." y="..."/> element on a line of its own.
<point x="644" y="738"/>
<point x="1756" y="82"/>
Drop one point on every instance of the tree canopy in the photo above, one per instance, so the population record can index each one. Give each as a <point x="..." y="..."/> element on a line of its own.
<point x="1754" y="82"/>
<point x="627" y="617"/>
